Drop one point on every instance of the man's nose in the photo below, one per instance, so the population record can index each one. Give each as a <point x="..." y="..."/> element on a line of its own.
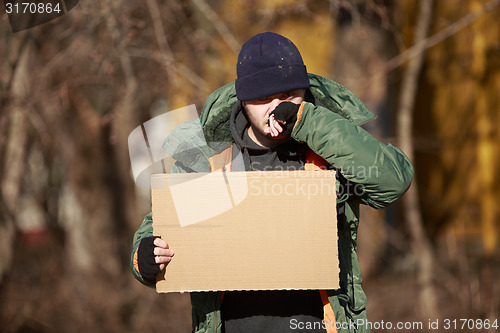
<point x="274" y="103"/>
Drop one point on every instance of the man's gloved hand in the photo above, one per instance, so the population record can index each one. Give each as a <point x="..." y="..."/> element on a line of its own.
<point x="152" y="256"/>
<point x="286" y="115"/>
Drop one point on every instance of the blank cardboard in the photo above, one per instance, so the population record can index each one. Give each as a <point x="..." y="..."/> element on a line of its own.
<point x="258" y="230"/>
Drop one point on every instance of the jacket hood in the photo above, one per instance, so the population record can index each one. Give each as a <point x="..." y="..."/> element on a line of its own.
<point x="212" y="133"/>
<point x="328" y="93"/>
<point x="238" y="125"/>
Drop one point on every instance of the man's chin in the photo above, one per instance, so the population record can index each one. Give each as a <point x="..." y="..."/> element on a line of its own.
<point x="279" y="137"/>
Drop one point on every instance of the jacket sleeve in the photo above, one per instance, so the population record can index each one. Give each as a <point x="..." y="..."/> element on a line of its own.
<point x="145" y="230"/>
<point x="384" y="171"/>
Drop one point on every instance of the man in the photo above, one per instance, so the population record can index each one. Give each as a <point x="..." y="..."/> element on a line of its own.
<point x="276" y="115"/>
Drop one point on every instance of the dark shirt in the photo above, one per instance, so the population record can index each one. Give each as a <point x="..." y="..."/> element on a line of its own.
<point x="271" y="311"/>
<point x="279" y="310"/>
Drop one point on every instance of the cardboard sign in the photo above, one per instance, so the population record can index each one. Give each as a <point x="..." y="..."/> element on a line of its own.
<point x="258" y="230"/>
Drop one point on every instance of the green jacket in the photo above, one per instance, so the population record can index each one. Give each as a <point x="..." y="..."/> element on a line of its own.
<point x="330" y="127"/>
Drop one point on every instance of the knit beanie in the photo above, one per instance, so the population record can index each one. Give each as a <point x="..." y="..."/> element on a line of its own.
<point x="269" y="64"/>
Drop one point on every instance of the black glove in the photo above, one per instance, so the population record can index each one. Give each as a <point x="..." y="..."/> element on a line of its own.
<point x="146" y="259"/>
<point x="286" y="112"/>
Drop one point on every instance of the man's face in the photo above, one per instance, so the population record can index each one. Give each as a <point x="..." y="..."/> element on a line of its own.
<point x="258" y="112"/>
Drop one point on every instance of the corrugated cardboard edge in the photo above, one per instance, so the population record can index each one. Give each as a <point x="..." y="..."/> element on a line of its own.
<point x="327" y="257"/>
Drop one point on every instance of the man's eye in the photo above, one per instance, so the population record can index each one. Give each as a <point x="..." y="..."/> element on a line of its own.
<point x="263" y="100"/>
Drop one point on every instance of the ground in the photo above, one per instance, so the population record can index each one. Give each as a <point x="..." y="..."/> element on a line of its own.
<point x="40" y="295"/>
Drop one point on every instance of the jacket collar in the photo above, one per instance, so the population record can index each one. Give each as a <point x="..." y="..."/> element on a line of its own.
<point x="215" y="120"/>
<point x="329" y="93"/>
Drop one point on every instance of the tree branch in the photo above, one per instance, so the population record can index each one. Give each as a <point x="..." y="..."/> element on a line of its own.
<point x="219" y="25"/>
<point x="438" y="37"/>
<point x="166" y="55"/>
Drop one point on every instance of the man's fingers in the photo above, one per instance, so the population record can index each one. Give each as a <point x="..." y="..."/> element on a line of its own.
<point x="274" y="126"/>
<point x="271" y="127"/>
<point x="163" y="256"/>
<point x="278" y="127"/>
<point x="159" y="251"/>
<point x="162" y="253"/>
<point x="162" y="259"/>
<point x="160" y="243"/>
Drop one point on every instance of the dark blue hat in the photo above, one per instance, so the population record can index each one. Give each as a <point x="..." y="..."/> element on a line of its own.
<point x="269" y="64"/>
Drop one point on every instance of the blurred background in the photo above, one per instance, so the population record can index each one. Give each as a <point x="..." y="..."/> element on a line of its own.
<point x="72" y="90"/>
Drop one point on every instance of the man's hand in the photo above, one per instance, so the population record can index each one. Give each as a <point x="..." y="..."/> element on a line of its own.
<point x="283" y="118"/>
<point x="152" y="256"/>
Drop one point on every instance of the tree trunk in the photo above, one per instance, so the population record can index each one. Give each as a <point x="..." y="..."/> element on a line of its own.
<point x="14" y="154"/>
<point x="421" y="246"/>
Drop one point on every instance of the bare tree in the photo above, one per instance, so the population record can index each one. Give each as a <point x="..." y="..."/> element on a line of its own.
<point x="421" y="247"/>
<point x="14" y="147"/>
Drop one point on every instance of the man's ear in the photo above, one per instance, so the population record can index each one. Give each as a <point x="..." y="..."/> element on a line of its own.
<point x="244" y="107"/>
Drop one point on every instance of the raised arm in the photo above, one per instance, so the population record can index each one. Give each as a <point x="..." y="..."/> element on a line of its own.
<point x="384" y="171"/>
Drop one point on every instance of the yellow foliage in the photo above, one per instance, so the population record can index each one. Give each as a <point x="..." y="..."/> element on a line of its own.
<point x="465" y="82"/>
<point x="317" y="52"/>
<point x="312" y="33"/>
